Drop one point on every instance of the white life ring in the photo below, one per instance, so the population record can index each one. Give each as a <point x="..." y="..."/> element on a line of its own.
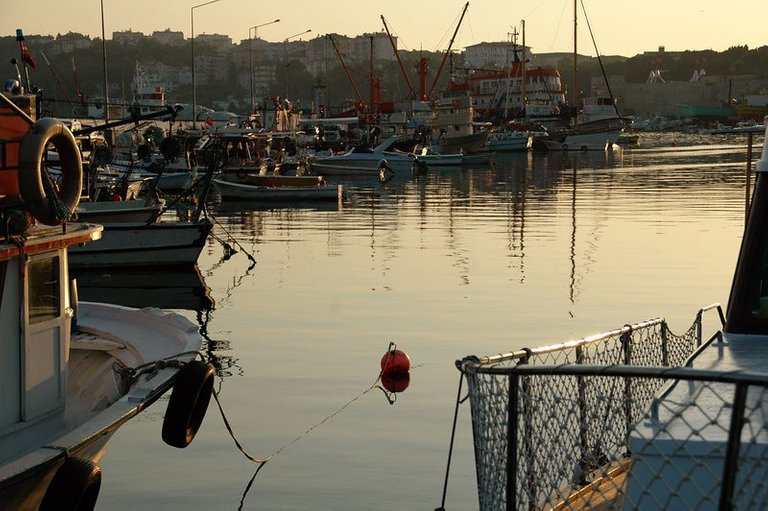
<point x="33" y="146"/>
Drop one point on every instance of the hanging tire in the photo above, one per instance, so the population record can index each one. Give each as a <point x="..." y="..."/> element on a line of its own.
<point x="189" y="401"/>
<point x="74" y="487"/>
<point x="33" y="147"/>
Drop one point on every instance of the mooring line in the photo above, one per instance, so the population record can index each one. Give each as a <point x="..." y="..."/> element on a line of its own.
<point x="264" y="459"/>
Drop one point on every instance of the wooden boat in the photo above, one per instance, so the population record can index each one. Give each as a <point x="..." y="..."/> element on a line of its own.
<point x="637" y="417"/>
<point x="266" y="188"/>
<point x="71" y="373"/>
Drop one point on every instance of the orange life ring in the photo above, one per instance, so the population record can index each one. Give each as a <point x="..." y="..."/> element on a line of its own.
<point x="33" y="146"/>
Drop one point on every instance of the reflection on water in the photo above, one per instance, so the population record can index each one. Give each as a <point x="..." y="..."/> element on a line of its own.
<point x="533" y="250"/>
<point x="166" y="289"/>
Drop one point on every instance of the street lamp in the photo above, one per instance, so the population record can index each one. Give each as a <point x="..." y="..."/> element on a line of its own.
<point x="104" y="63"/>
<point x="285" y="57"/>
<point x="285" y="44"/>
<point x="255" y="29"/>
<point x="194" y="89"/>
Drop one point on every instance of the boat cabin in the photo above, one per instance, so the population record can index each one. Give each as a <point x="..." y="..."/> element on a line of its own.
<point x="36" y="295"/>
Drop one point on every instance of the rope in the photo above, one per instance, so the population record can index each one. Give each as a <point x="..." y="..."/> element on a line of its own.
<point x="309" y="430"/>
<point x="374" y="385"/>
<point x="234" y="241"/>
<point x="453" y="436"/>
<point x="254" y="459"/>
<point x="58" y="209"/>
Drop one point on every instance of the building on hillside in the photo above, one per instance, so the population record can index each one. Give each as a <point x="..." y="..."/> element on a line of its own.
<point x="71" y="41"/>
<point x="128" y="37"/>
<point x="360" y="48"/>
<point x="495" y="55"/>
<point x="264" y="75"/>
<point x="169" y="37"/>
<point x="220" y="43"/>
<point x="210" y="68"/>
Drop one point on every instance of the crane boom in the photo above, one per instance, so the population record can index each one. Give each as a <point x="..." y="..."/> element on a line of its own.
<point x="346" y="70"/>
<point x="399" y="60"/>
<point x="58" y="80"/>
<point x="448" y="51"/>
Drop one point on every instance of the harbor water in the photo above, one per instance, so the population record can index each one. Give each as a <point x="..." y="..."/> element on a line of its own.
<point x="533" y="250"/>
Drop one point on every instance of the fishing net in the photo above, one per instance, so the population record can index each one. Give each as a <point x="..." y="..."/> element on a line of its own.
<point x="569" y="431"/>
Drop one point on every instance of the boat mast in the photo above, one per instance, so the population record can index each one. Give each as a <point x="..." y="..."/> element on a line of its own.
<point x="448" y="51"/>
<point x="575" y="93"/>
<point x="399" y="60"/>
<point x="372" y="103"/>
<point x="523" y="98"/>
<point x="513" y="38"/>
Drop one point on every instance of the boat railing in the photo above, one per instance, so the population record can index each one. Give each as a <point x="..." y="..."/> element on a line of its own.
<point x="549" y="421"/>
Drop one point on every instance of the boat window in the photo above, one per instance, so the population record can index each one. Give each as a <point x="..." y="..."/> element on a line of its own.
<point x="43" y="289"/>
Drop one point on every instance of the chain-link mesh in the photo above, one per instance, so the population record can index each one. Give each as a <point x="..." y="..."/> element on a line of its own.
<point x="571" y="430"/>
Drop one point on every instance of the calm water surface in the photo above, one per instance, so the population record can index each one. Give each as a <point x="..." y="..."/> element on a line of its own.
<point x="534" y="250"/>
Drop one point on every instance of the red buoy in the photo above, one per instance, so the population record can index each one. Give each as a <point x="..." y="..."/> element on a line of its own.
<point x="395" y="361"/>
<point x="396" y="382"/>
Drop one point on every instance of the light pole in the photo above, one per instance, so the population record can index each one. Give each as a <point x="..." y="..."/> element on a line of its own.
<point x="285" y="56"/>
<point x="194" y="89"/>
<point x="255" y="29"/>
<point x="104" y="63"/>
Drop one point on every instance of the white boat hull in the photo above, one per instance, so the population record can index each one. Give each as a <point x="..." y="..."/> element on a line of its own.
<point x="362" y="165"/>
<point x="106" y="335"/>
<point x="521" y="143"/>
<point x="148" y="245"/>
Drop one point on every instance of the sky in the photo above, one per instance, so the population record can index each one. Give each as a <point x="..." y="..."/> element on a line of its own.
<point x="620" y="27"/>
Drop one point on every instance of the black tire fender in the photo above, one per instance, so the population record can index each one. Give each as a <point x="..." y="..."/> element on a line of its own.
<point x="74" y="487"/>
<point x="188" y="403"/>
<point x="31" y="152"/>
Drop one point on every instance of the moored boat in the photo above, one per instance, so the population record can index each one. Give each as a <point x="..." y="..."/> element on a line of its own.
<point x="366" y="161"/>
<point x="72" y="372"/>
<point x="141" y="244"/>
<point x="266" y="188"/>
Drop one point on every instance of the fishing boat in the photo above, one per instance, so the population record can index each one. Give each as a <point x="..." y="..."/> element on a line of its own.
<point x="453" y="121"/>
<point x="270" y="188"/>
<point x="638" y="417"/>
<point x="72" y="372"/>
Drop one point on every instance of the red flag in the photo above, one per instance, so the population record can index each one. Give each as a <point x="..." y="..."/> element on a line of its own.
<point x="27" y="56"/>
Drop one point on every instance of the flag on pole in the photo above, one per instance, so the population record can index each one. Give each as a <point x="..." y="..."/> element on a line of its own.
<point x="27" y="56"/>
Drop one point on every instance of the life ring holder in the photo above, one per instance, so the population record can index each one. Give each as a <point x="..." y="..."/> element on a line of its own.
<point x="31" y="173"/>
<point x="189" y="401"/>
